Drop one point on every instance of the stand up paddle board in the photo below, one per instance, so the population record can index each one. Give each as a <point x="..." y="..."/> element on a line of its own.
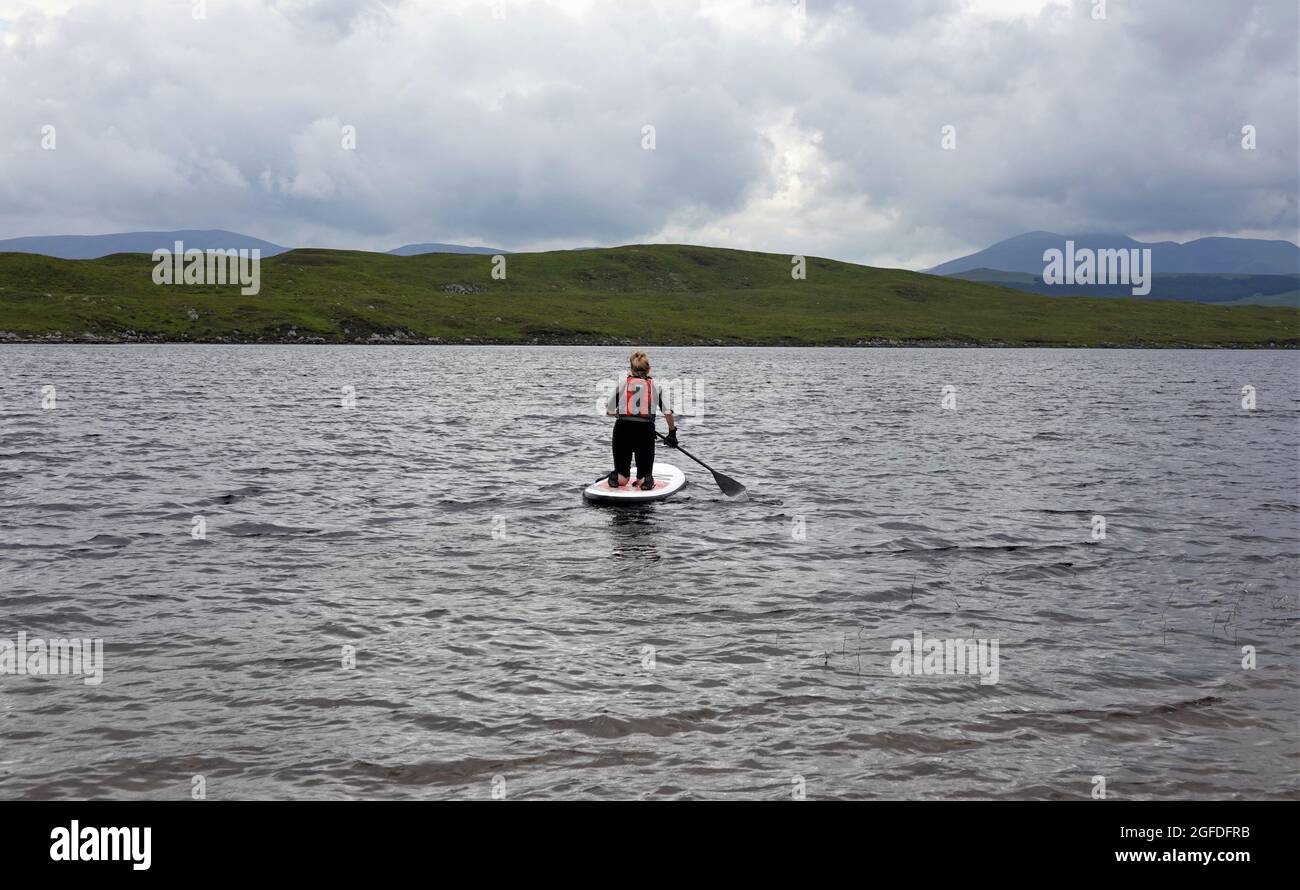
<point x="668" y="480"/>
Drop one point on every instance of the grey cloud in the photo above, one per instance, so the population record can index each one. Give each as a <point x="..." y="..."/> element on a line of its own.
<point x="527" y="131"/>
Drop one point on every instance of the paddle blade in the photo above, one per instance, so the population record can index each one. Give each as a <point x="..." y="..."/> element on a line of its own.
<point x="730" y="487"/>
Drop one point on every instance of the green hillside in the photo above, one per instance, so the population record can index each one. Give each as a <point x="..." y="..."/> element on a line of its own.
<point x="658" y="294"/>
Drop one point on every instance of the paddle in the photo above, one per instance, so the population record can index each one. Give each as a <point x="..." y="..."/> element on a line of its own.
<point x="730" y="487"/>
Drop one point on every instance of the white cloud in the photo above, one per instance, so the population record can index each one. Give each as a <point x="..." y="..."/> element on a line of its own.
<point x="1012" y="9"/>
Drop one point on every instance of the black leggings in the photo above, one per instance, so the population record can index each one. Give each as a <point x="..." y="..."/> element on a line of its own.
<point x="634" y="436"/>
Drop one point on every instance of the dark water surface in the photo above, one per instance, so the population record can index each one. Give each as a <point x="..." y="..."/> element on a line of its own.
<point x="504" y="630"/>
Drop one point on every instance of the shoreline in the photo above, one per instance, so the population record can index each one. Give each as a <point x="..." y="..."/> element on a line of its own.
<point x="57" y="338"/>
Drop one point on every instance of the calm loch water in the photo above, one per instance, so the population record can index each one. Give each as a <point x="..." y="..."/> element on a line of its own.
<point x="509" y="638"/>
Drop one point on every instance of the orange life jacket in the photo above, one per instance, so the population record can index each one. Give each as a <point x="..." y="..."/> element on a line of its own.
<point x="638" y="395"/>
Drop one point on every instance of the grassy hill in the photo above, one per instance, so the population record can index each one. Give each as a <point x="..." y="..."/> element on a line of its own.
<point x="658" y="294"/>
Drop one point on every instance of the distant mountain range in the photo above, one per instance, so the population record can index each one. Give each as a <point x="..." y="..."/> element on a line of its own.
<point x="1208" y="270"/>
<point x="1205" y="287"/>
<point x="1238" y="256"/>
<point x="90" y="247"/>
<point x="416" y="249"/>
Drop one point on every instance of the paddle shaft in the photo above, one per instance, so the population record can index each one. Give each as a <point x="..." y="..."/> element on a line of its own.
<point x="730" y="487"/>
<point x="688" y="454"/>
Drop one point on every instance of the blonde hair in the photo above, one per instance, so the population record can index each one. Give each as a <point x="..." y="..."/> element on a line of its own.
<point x="639" y="363"/>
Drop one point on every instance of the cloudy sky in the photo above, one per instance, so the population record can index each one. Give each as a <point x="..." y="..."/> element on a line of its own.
<point x="519" y="124"/>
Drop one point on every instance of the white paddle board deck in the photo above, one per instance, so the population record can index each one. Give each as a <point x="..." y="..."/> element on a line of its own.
<point x="668" y="480"/>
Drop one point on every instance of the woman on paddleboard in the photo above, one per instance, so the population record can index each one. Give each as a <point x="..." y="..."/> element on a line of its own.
<point x="634" y="402"/>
